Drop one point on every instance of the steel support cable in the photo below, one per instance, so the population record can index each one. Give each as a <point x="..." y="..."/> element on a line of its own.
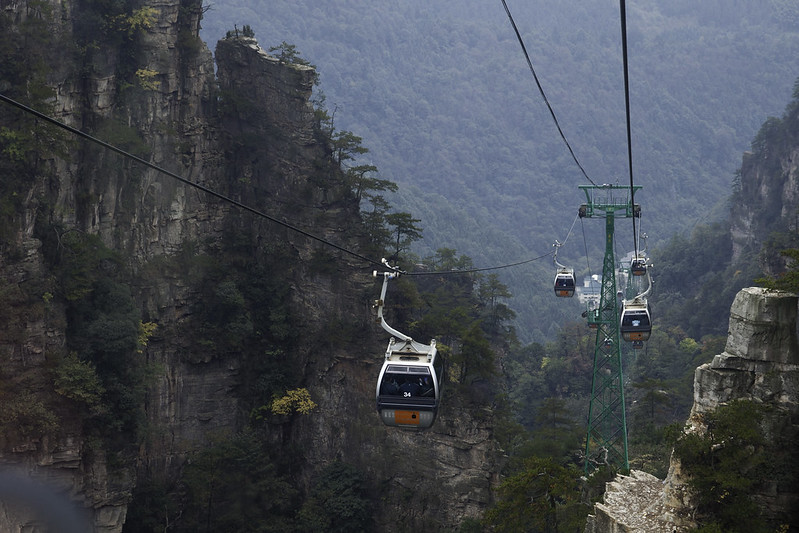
<point x="623" y="13"/>
<point x="543" y="95"/>
<point x="638" y="238"/>
<point x="585" y="243"/>
<point x="558" y="244"/>
<point x="570" y="230"/>
<point x="224" y="198"/>
<point x="472" y="270"/>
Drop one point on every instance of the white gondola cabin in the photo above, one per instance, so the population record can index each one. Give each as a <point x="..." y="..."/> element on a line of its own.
<point x="409" y="386"/>
<point x="636" y="323"/>
<point x="564" y="283"/>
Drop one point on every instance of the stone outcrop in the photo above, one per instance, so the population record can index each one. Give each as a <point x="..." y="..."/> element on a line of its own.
<point x="761" y="358"/>
<point x="760" y="363"/>
<point x="634" y="504"/>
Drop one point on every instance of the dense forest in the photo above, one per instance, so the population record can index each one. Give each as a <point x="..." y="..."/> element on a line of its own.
<point x="445" y="103"/>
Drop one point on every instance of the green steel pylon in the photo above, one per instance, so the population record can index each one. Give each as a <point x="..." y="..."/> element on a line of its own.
<point x="606" y="438"/>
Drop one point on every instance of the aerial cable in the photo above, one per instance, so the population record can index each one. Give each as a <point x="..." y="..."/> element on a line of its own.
<point x="585" y="243"/>
<point x="182" y="179"/>
<point x="543" y="95"/>
<point x="623" y="12"/>
<point x="472" y="270"/>
<point x="570" y="231"/>
<point x="558" y="244"/>
<point x="638" y="238"/>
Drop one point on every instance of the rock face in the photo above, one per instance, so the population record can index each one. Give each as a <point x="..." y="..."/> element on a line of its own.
<point x="251" y="136"/>
<point x="769" y="195"/>
<point x="761" y="358"/>
<point x="760" y="363"/>
<point x="633" y="503"/>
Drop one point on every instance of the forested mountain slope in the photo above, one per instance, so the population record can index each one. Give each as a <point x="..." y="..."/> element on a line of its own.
<point x="175" y="363"/>
<point x="444" y="101"/>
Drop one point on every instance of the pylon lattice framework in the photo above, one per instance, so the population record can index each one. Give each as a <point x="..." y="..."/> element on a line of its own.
<point x="606" y="437"/>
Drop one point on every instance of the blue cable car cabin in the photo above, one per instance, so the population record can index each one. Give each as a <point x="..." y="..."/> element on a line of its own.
<point x="564" y="283"/>
<point x="636" y="324"/>
<point x="409" y="387"/>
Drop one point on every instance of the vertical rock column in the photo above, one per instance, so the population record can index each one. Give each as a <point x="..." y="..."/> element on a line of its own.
<point x="761" y="358"/>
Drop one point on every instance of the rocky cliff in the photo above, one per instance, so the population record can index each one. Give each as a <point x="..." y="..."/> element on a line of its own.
<point x="768" y="194"/>
<point x="760" y="363"/>
<point x="231" y="307"/>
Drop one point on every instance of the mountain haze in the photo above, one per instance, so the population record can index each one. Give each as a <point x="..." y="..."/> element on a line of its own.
<point x="449" y="110"/>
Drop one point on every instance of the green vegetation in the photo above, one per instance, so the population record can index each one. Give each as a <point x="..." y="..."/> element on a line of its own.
<point x="789" y="279"/>
<point x="114" y="27"/>
<point x="240" y="483"/>
<point x="295" y="400"/>
<point x="246" y="31"/>
<point x="236" y="484"/>
<point x="78" y="380"/>
<point x="389" y="232"/>
<point x="25" y="143"/>
<point x="544" y="496"/>
<point x="338" y="502"/>
<point x="105" y="372"/>
<point x="25" y="415"/>
<point x="286" y="53"/>
<point x="734" y="456"/>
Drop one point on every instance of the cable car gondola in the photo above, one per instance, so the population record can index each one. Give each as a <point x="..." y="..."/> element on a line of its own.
<point x="593" y="317"/>
<point x="636" y="323"/>
<point x="638" y="266"/>
<point x="408" y="390"/>
<point x="564" y="277"/>
<point x="564" y="283"/>
<point x="409" y="385"/>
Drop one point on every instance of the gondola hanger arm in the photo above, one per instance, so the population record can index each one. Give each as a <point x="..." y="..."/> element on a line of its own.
<point x="557" y="245"/>
<point x="394" y="273"/>
<point x="642" y="296"/>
